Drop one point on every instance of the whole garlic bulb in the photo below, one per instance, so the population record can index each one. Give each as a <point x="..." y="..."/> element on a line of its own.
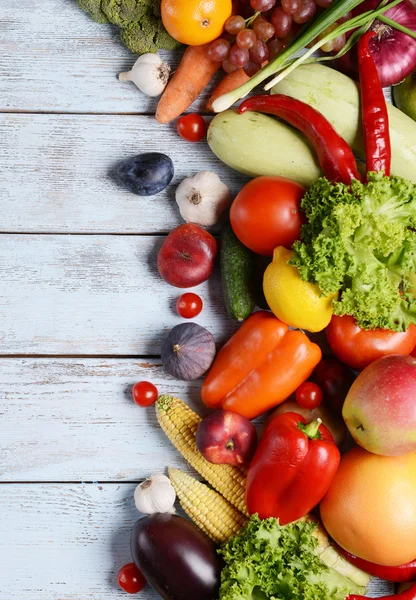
<point x="203" y="198"/>
<point x="149" y="73"/>
<point x="155" y="495"/>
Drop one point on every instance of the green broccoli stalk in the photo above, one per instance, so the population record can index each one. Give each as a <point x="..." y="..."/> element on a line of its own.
<point x="142" y="29"/>
<point x="124" y="12"/>
<point x="360" y="241"/>
<point x="93" y="8"/>
<point x="147" y="35"/>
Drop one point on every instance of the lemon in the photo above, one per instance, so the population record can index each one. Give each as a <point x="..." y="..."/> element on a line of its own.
<point x="296" y="302"/>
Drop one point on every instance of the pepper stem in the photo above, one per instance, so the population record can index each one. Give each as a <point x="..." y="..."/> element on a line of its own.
<point x="311" y="430"/>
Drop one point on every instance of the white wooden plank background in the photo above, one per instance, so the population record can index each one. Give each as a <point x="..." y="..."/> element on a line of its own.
<point x="91" y="295"/>
<point x="77" y="421"/>
<point x="68" y="419"/>
<point x="54" y="58"/>
<point x="57" y="173"/>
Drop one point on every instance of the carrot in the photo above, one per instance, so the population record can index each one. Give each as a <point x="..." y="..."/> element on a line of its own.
<point x="191" y="77"/>
<point x="230" y="82"/>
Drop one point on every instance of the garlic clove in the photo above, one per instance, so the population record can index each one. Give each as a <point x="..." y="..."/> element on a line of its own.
<point x="155" y="495"/>
<point x="149" y="73"/>
<point x="203" y="198"/>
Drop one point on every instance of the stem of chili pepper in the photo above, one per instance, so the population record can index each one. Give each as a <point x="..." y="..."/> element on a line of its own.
<point x="375" y="116"/>
<point x="335" y="156"/>
<point x="409" y="594"/>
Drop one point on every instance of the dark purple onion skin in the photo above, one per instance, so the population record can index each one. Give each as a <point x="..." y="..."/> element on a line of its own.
<point x="394" y="52"/>
<point x="176" y="558"/>
<point x="188" y="351"/>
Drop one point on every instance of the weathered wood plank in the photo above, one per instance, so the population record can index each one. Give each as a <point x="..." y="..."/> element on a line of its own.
<point x="74" y="420"/>
<point x="57" y="173"/>
<point x="54" y="58"/>
<point x="67" y="542"/>
<point x="91" y="295"/>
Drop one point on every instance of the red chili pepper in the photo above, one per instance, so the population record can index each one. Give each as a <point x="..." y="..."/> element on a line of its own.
<point x="292" y="468"/>
<point x="374" y="110"/>
<point x="400" y="574"/>
<point x="335" y="156"/>
<point x="409" y="594"/>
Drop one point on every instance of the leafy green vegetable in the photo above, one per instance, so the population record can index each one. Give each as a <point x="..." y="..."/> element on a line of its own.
<point x="266" y="561"/>
<point x="142" y="29"/>
<point x="361" y="241"/>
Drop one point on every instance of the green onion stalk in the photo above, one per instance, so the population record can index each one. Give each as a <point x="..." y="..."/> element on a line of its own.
<point x="285" y="63"/>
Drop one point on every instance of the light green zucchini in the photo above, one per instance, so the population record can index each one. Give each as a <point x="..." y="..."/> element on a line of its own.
<point x="337" y="97"/>
<point x="256" y="144"/>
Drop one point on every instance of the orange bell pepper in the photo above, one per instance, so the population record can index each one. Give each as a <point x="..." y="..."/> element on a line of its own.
<point x="259" y="367"/>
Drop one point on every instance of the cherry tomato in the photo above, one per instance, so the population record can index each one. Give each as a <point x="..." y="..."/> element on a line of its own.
<point x="358" y="347"/>
<point x="189" y="305"/>
<point x="144" y="393"/>
<point x="335" y="379"/>
<point x="192" y="128"/>
<point x="130" y="579"/>
<point x="309" y="395"/>
<point x="266" y="214"/>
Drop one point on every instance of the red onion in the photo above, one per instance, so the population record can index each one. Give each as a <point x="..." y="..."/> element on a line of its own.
<point x="394" y="52"/>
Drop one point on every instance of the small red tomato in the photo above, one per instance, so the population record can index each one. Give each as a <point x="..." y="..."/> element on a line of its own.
<point x="130" y="579"/>
<point x="309" y="395"/>
<point x="189" y="305"/>
<point x="192" y="128"/>
<point x="145" y="393"/>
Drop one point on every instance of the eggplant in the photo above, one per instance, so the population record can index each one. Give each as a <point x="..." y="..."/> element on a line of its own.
<point x="176" y="558"/>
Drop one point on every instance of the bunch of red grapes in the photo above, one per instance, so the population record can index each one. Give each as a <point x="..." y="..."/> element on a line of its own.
<point x="262" y="30"/>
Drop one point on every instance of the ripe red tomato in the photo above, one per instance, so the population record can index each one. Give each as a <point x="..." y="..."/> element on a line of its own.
<point x="192" y="128"/>
<point x="144" y="393"/>
<point x="266" y="214"/>
<point x="189" y="305"/>
<point x="309" y="395"/>
<point x="358" y="347"/>
<point x="130" y="579"/>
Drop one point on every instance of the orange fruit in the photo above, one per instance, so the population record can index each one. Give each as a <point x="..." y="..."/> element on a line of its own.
<point x="195" y="22"/>
<point x="370" y="508"/>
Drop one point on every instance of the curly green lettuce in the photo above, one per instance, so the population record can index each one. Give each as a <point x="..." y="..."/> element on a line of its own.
<point x="267" y="561"/>
<point x="360" y="241"/>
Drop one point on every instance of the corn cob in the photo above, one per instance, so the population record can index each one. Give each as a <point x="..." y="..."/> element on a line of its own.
<point x="180" y="423"/>
<point x="212" y="513"/>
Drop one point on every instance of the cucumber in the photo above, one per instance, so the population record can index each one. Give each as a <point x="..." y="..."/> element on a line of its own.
<point x="337" y="97"/>
<point x="237" y="275"/>
<point x="256" y="144"/>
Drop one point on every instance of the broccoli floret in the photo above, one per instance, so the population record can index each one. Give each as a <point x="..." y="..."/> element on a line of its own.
<point x="360" y="241"/>
<point x="93" y="8"/>
<point x="124" y="12"/>
<point x="147" y="35"/>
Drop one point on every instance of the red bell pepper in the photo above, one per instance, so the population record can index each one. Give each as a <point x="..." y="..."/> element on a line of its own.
<point x="409" y="594"/>
<point x="400" y="574"/>
<point x="292" y="469"/>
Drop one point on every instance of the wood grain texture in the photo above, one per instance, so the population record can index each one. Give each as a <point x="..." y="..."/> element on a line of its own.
<point x="57" y="173"/>
<point x="74" y="420"/>
<point x="54" y="58"/>
<point x="92" y="295"/>
<point x="67" y="542"/>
